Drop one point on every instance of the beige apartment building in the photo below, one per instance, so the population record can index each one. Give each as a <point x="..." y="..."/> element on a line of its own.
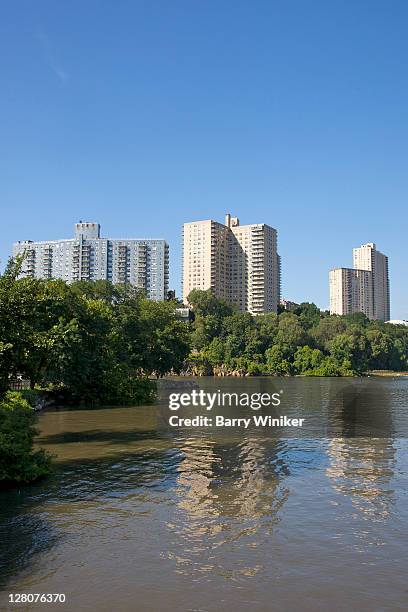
<point x="239" y="263"/>
<point x="351" y="291"/>
<point x="363" y="288"/>
<point x="366" y="257"/>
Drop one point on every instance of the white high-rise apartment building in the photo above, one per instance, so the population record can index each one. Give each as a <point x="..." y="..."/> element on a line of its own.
<point x="366" y="257"/>
<point x="364" y="288"/>
<point x="351" y="291"/>
<point x="87" y="256"/>
<point x="238" y="262"/>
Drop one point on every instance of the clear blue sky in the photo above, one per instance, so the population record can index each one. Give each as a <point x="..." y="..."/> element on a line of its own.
<point x="144" y="114"/>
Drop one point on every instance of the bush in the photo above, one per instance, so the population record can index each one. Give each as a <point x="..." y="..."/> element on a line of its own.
<point x="127" y="389"/>
<point x="19" y="463"/>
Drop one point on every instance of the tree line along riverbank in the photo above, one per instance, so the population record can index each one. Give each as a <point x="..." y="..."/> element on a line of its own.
<point x="94" y="342"/>
<point x="305" y="341"/>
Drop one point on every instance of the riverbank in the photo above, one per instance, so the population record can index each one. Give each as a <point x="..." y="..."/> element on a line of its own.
<point x="390" y="373"/>
<point x="225" y="373"/>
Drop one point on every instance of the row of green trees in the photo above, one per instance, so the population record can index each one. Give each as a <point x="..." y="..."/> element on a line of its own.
<point x="89" y="341"/>
<point x="305" y="341"/>
<point x="94" y="341"/>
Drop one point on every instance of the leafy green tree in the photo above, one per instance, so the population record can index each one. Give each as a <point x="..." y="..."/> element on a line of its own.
<point x="98" y="290"/>
<point x="357" y="318"/>
<point x="267" y="326"/>
<point x="85" y="371"/>
<point x="309" y="315"/>
<point x="19" y="463"/>
<point x="328" y="367"/>
<point x="214" y="353"/>
<point x="35" y="324"/>
<point x="399" y="358"/>
<point x="164" y="338"/>
<point x="350" y="352"/>
<point x="206" y="303"/>
<point x="276" y="362"/>
<point x="327" y="329"/>
<point x="307" y="360"/>
<point x="290" y="333"/>
<point x="209" y="312"/>
<point x="381" y="348"/>
<point x="5" y="366"/>
<point x="240" y="336"/>
<point x="256" y="367"/>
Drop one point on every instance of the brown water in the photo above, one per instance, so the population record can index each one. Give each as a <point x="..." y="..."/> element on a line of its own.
<point x="139" y="516"/>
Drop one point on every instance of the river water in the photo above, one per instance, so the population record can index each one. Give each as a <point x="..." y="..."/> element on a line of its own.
<point x="138" y="515"/>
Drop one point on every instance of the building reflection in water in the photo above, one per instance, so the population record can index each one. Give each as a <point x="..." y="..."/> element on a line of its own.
<point x="226" y="493"/>
<point x="362" y="456"/>
<point x="362" y="469"/>
<point x="231" y="487"/>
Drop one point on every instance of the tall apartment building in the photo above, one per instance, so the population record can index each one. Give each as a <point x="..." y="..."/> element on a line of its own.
<point x="366" y="257"/>
<point x="351" y="291"/>
<point x="363" y="288"/>
<point x="87" y="256"/>
<point x="238" y="262"/>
